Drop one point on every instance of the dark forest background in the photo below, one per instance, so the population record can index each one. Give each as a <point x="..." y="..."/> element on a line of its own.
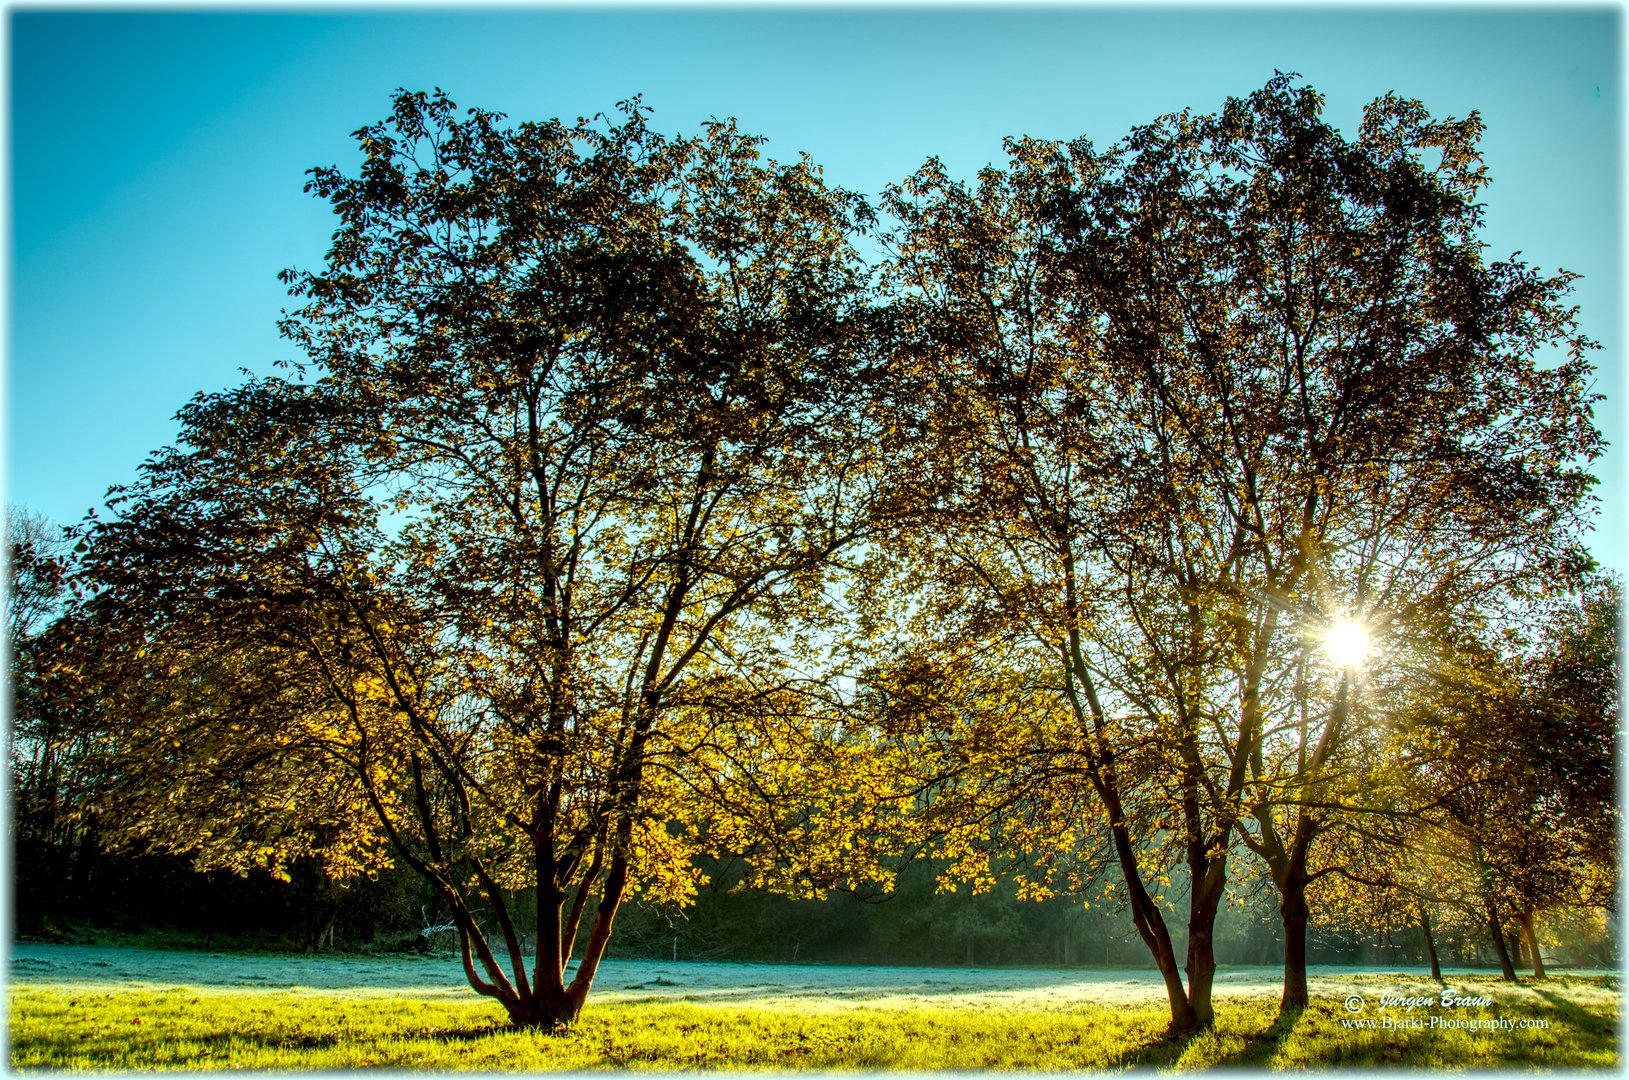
<point x="76" y="893"/>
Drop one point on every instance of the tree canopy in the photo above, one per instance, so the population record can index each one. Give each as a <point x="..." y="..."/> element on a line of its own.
<point x="618" y="513"/>
<point x="1201" y="397"/>
<point x="552" y="501"/>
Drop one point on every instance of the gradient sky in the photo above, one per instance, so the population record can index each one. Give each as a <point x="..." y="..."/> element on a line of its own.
<point x="157" y="158"/>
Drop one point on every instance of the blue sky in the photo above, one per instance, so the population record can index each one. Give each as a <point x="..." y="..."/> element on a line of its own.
<point x="157" y="158"/>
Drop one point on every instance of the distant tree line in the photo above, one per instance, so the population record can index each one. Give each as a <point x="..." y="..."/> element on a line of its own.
<point x="98" y="896"/>
<point x="1190" y="529"/>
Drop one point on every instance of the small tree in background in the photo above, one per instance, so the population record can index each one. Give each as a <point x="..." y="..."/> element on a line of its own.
<point x="1504" y="754"/>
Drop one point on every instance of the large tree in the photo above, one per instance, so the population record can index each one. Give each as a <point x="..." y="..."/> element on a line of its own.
<point x="1389" y="427"/>
<point x="505" y="579"/>
<point x="1202" y="398"/>
<point x="1068" y="641"/>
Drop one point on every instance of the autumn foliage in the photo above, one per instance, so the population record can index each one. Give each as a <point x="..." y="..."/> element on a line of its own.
<point x="617" y="511"/>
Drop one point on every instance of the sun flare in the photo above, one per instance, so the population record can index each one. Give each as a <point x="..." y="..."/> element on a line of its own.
<point x="1346" y="643"/>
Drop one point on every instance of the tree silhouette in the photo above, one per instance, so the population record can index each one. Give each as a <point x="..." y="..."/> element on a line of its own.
<point x="499" y="581"/>
<point x="1201" y="397"/>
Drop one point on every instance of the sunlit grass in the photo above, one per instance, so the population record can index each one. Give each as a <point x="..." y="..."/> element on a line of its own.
<point x="64" y="1028"/>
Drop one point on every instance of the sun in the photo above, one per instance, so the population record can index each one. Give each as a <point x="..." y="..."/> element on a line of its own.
<point x="1346" y="643"/>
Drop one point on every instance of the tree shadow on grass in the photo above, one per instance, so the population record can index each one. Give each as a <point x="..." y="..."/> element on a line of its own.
<point x="328" y="1038"/>
<point x="1579" y="1018"/>
<point x="158" y="1048"/>
<point x="1166" y="1051"/>
<point x="482" y="1031"/>
<point x="223" y="1044"/>
<point x="1260" y="1050"/>
<point x="1159" y="1051"/>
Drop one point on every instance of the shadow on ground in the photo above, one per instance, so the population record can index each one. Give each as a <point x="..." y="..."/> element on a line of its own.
<point x="1165" y="1051"/>
<point x="1259" y="1051"/>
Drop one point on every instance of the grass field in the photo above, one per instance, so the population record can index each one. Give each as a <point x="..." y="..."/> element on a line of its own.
<point x="95" y="1025"/>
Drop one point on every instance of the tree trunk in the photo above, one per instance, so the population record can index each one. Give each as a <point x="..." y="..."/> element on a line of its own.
<point x="1208" y="884"/>
<point x="1145" y="913"/>
<point x="1430" y="943"/>
<point x="616" y="883"/>
<point x="1183" y="1019"/>
<point x="1202" y="973"/>
<point x="1289" y="862"/>
<point x="1498" y="936"/>
<point x="551" y="1005"/>
<point x="548" y="1011"/>
<point x="549" y="959"/>
<point x="1151" y="928"/>
<point x="1293" y="909"/>
<point x="1531" y="935"/>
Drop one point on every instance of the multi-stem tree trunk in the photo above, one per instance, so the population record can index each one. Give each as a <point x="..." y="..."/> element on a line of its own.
<point x="1145" y="914"/>
<point x="1191" y="1007"/>
<point x="540" y="998"/>
<point x="545" y="1000"/>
